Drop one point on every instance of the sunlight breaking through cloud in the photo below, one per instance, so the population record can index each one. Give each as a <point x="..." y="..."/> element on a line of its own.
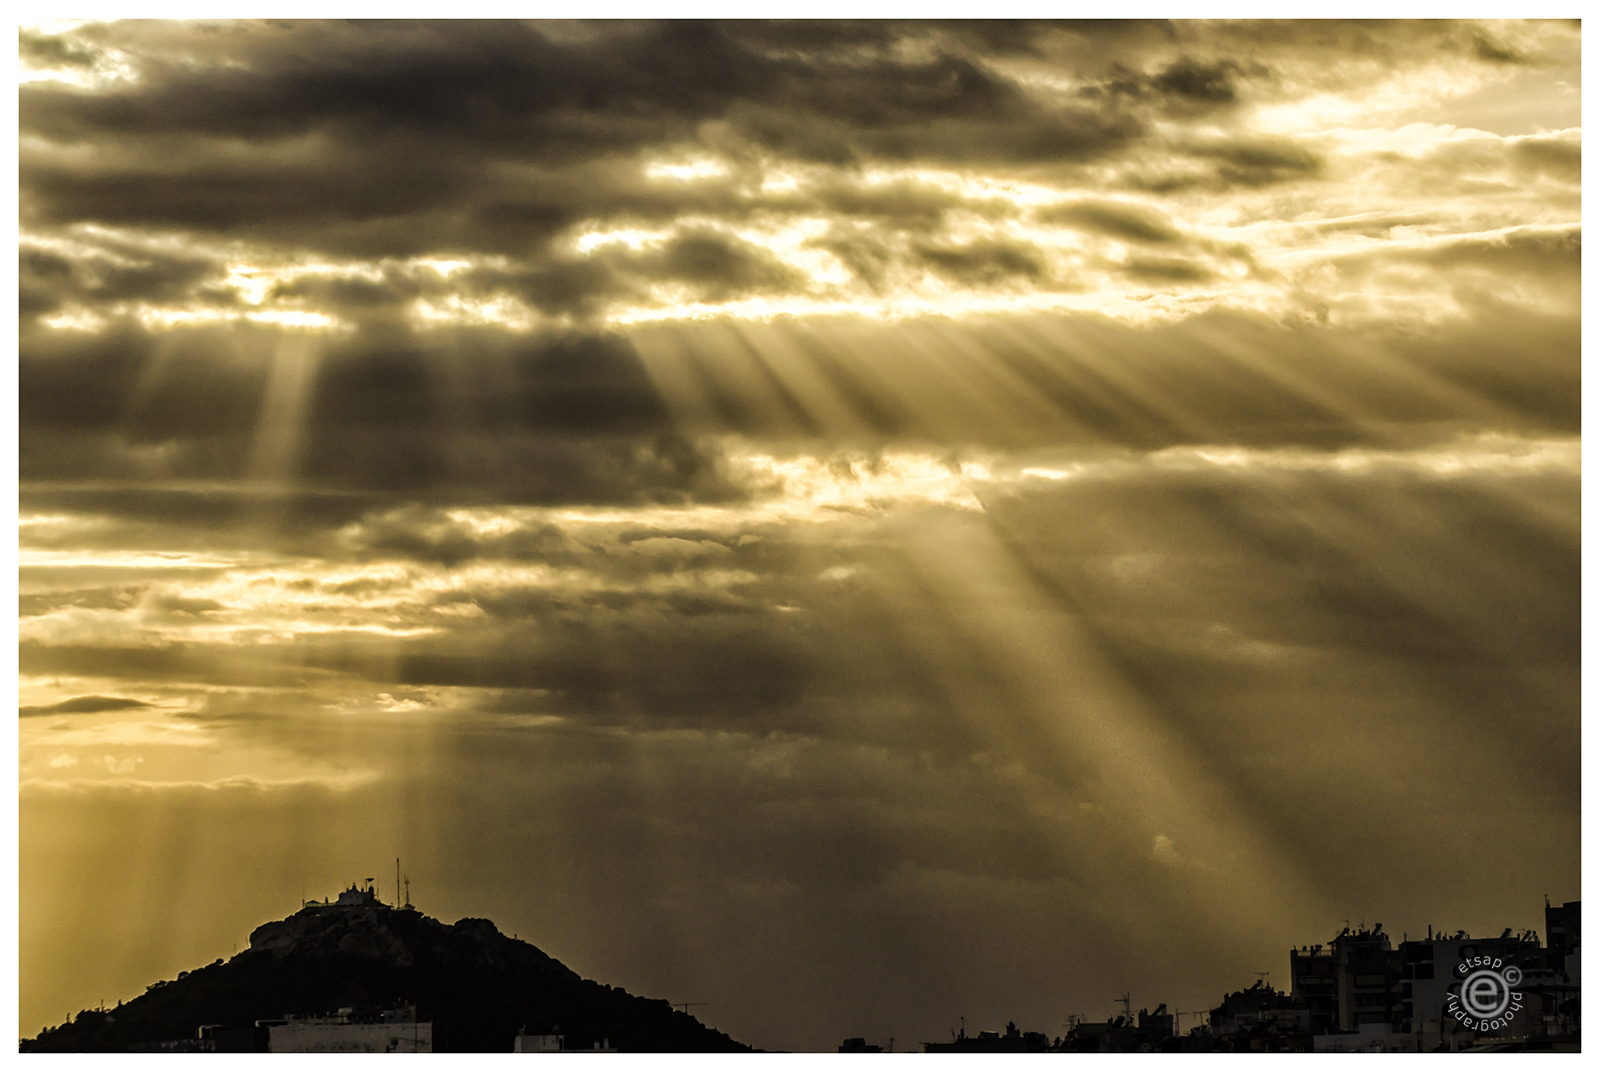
<point x="930" y="502"/>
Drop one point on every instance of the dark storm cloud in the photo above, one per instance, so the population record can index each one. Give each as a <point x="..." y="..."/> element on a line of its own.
<point x="1267" y="566"/>
<point x="907" y="204"/>
<point x="720" y="266"/>
<point x="1226" y="164"/>
<point x="985" y="263"/>
<point x="1550" y="156"/>
<point x="1187" y="88"/>
<point x="1485" y="47"/>
<point x="1168" y="270"/>
<point x="185" y="517"/>
<point x="1138" y="223"/>
<point x="1194" y="81"/>
<point x="715" y="265"/>
<point x="560" y="418"/>
<point x="332" y="135"/>
<point x="429" y="535"/>
<point x="561" y="284"/>
<point x="30" y="604"/>
<point x="169" y="663"/>
<point x="355" y="297"/>
<point x="480" y="417"/>
<point x="508" y="466"/>
<point x="690" y="670"/>
<point x="641" y="660"/>
<point x="1259" y="162"/>
<point x="712" y="263"/>
<point x="54" y="51"/>
<point x="346" y="122"/>
<point x="866" y="254"/>
<point x="385" y="140"/>
<point x="115" y="271"/>
<point x="84" y="705"/>
<point x="42" y="279"/>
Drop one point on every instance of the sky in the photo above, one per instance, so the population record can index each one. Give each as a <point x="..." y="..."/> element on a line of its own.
<point x="860" y="525"/>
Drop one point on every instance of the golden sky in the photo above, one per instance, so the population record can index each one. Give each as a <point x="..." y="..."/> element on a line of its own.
<point x="859" y="524"/>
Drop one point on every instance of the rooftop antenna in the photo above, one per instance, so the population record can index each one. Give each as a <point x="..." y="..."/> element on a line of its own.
<point x="397" y="882"/>
<point x="408" y="891"/>
<point x="1127" y="1004"/>
<point x="1261" y="977"/>
<point x="684" y="1005"/>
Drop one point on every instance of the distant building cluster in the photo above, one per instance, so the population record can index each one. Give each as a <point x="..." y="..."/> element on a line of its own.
<point x="556" y="1043"/>
<point x="358" y="896"/>
<point x="349" y="1030"/>
<point x="1357" y="993"/>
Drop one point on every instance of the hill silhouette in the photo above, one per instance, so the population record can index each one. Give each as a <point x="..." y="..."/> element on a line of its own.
<point x="477" y="986"/>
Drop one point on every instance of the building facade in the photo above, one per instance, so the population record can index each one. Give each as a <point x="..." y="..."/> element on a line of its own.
<point x="391" y="1031"/>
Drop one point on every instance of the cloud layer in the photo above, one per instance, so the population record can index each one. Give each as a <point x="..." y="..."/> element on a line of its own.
<point x="836" y="520"/>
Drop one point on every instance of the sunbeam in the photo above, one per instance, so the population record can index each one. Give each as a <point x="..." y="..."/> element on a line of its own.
<point x="840" y="527"/>
<point x="280" y="430"/>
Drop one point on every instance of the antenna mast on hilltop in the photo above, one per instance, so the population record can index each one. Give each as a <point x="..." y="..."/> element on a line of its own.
<point x="401" y="881"/>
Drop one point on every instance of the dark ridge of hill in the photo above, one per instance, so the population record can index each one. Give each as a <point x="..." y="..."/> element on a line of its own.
<point x="477" y="986"/>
